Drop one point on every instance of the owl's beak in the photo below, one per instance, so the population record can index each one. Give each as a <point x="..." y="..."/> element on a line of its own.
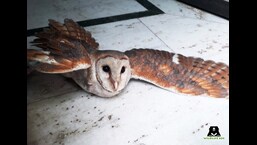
<point x="115" y="84"/>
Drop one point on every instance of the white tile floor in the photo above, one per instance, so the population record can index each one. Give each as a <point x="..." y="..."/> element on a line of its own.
<point x="59" y="112"/>
<point x="38" y="12"/>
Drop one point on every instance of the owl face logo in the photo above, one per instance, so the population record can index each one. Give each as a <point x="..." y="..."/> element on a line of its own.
<point x="213" y="131"/>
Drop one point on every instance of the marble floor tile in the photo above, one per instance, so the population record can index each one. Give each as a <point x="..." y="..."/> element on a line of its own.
<point x="147" y="115"/>
<point x="39" y="11"/>
<point x="192" y="37"/>
<point x="41" y="86"/>
<point x="173" y="7"/>
<point x="125" y="35"/>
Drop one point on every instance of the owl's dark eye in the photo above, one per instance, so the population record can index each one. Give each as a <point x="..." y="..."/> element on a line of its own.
<point x="106" y="68"/>
<point x="123" y="69"/>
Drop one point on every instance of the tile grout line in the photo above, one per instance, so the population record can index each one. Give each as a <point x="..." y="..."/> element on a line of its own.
<point x="155" y="35"/>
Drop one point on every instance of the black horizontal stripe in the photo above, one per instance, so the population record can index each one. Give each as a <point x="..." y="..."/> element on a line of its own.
<point x="151" y="10"/>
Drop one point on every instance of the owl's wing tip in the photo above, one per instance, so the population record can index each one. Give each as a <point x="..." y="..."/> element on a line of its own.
<point x="48" y="63"/>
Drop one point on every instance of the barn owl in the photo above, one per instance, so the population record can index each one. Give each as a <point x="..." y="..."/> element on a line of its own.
<point x="70" y="50"/>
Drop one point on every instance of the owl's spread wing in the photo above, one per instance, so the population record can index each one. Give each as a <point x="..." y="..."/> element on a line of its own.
<point x="65" y="47"/>
<point x="187" y="75"/>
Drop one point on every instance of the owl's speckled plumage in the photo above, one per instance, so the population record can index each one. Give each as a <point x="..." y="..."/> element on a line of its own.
<point x="71" y="50"/>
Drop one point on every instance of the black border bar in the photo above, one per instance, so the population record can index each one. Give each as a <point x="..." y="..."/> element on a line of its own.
<point x="151" y="10"/>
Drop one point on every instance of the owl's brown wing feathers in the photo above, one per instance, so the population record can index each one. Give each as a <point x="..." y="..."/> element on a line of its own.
<point x="69" y="31"/>
<point x="65" y="47"/>
<point x="187" y="75"/>
<point x="52" y="63"/>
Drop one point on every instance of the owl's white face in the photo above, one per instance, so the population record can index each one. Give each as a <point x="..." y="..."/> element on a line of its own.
<point x="113" y="72"/>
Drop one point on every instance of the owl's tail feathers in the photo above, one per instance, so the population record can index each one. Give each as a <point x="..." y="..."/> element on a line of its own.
<point x="47" y="63"/>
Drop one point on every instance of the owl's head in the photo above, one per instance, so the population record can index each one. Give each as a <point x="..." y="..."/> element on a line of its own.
<point x="113" y="70"/>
